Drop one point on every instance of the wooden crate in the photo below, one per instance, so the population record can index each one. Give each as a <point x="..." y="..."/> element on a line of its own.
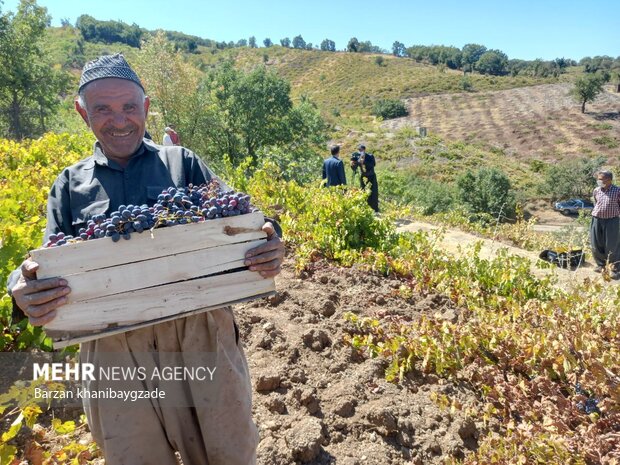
<point x="153" y="277"/>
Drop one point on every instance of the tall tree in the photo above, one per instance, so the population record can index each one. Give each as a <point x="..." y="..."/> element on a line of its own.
<point x="353" y="45"/>
<point x="471" y="55"/>
<point x="253" y="111"/>
<point x="174" y="88"/>
<point x="252" y="42"/>
<point x="29" y="85"/>
<point x="286" y="42"/>
<point x="492" y="62"/>
<point x="267" y="42"/>
<point x="398" y="49"/>
<point x="586" y="89"/>
<point x="299" y="42"/>
<point x="328" y="45"/>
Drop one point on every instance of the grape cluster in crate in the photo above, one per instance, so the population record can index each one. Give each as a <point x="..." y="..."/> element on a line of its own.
<point x="174" y="206"/>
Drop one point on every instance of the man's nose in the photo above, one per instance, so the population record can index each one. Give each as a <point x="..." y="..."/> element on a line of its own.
<point x="119" y="119"/>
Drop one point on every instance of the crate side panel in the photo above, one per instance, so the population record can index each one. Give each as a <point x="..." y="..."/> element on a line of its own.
<point x="139" y="275"/>
<point x="161" y="301"/>
<point x="102" y="253"/>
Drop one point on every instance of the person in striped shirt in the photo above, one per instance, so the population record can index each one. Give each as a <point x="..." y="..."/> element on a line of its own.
<point x="604" y="229"/>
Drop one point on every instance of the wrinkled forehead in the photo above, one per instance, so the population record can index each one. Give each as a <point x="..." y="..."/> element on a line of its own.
<point x="112" y="89"/>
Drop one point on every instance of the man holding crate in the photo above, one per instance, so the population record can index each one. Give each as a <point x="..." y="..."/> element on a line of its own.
<point x="127" y="169"/>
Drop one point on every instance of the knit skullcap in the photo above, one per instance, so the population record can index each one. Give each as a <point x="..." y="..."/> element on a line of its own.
<point x="108" y="66"/>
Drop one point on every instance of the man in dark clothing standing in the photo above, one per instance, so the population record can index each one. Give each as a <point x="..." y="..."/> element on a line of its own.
<point x="333" y="169"/>
<point x="605" y="223"/>
<point x="365" y="162"/>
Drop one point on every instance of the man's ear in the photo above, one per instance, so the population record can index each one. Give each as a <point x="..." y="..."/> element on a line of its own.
<point x="82" y="112"/>
<point x="147" y="104"/>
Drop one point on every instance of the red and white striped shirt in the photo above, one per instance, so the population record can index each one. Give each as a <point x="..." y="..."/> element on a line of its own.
<point x="607" y="202"/>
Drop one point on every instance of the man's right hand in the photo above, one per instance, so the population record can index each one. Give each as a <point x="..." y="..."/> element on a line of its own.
<point x="39" y="298"/>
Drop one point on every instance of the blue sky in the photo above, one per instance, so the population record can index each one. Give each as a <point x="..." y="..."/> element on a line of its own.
<point x="522" y="29"/>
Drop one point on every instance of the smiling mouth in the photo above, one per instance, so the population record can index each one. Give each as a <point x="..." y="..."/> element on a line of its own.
<point x="121" y="134"/>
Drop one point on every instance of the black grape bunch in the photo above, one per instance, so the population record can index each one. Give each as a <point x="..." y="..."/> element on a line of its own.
<point x="174" y="206"/>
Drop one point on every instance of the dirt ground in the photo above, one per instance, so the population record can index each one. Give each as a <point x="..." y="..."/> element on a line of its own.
<point x="541" y="122"/>
<point x="317" y="401"/>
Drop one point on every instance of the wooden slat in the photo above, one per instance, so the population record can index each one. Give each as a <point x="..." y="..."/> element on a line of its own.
<point x="101" y="253"/>
<point x="149" y="304"/>
<point x="66" y="338"/>
<point x="139" y="275"/>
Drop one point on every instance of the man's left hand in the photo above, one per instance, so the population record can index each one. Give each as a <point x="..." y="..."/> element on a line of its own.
<point x="267" y="258"/>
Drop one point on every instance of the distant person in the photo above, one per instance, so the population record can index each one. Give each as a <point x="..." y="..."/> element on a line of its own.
<point x="604" y="229"/>
<point x="365" y="162"/>
<point x="333" y="169"/>
<point x="167" y="138"/>
<point x="176" y="140"/>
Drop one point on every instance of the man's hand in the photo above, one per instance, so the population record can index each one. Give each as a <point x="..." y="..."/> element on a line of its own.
<point x="39" y="298"/>
<point x="267" y="258"/>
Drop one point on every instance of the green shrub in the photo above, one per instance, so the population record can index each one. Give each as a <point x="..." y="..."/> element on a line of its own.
<point x="427" y="195"/>
<point x="488" y="192"/>
<point x="389" y="108"/>
<point x="571" y="178"/>
<point x="466" y="84"/>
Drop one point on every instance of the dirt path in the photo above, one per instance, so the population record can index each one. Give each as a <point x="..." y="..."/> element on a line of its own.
<point x="458" y="242"/>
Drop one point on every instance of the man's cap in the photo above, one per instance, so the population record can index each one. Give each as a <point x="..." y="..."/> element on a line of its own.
<point x="108" y="66"/>
<point x="167" y="129"/>
<point x="361" y="146"/>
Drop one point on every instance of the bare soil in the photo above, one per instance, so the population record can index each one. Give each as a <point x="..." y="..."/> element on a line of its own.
<point x="318" y="401"/>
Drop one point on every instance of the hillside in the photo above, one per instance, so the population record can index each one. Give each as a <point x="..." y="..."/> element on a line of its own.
<point x="347" y="84"/>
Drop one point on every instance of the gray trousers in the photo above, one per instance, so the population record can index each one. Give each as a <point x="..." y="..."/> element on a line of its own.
<point x="604" y="237"/>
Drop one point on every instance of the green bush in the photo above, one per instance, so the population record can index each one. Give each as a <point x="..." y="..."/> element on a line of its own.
<point x="571" y="178"/>
<point x="388" y="108"/>
<point x="466" y="84"/>
<point x="488" y="192"/>
<point x="425" y="194"/>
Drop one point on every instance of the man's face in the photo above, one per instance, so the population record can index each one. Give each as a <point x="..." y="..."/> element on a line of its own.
<point x="606" y="181"/>
<point x="116" y="112"/>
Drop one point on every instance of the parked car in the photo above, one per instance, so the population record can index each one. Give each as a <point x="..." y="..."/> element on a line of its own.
<point x="573" y="206"/>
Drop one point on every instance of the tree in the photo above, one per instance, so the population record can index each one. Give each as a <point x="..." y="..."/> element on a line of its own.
<point x="267" y="42"/>
<point x="286" y="42"/>
<point x="299" y="42"/>
<point x="353" y="45"/>
<point x="487" y="191"/>
<point x="174" y="87"/>
<point x="571" y="178"/>
<point x="586" y="89"/>
<point x="251" y="112"/>
<point x="242" y="43"/>
<point x="328" y="45"/>
<point x="492" y="62"/>
<point x="109" y="32"/>
<point x="29" y="84"/>
<point x="398" y="49"/>
<point x="471" y="55"/>
<point x="252" y="42"/>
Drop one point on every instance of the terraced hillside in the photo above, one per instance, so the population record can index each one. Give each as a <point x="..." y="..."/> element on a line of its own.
<point x="541" y="122"/>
